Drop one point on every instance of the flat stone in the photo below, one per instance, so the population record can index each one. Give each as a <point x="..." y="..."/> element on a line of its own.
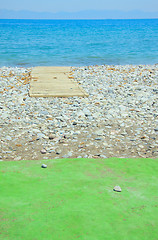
<point x="44" y="166"/>
<point x="103" y="156"/>
<point x="41" y="135"/>
<point x="58" y="151"/>
<point x="117" y="189"/>
<point x="99" y="132"/>
<point x="8" y="138"/>
<point x="52" y="136"/>
<point x="17" y="158"/>
<point x="87" y="112"/>
<point x="98" y="139"/>
<point x="43" y="151"/>
<point x="69" y="154"/>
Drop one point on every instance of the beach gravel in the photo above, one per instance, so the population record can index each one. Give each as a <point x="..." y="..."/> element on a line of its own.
<point x="119" y="118"/>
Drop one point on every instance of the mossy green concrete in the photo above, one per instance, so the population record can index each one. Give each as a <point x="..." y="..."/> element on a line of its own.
<point x="74" y="199"/>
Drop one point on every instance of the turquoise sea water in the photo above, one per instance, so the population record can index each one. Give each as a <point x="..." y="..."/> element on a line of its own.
<point x="78" y="42"/>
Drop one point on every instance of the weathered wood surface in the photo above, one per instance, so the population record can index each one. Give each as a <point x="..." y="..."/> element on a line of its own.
<point x="54" y="82"/>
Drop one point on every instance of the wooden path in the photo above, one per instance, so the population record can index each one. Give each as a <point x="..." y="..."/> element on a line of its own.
<point x="54" y="82"/>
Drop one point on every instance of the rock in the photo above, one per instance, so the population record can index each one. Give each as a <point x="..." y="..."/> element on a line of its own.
<point x="17" y="158"/>
<point x="98" y="139"/>
<point x="87" y="112"/>
<point x="41" y="135"/>
<point x="110" y="91"/>
<point x="99" y="132"/>
<point x="52" y="136"/>
<point x="44" y="166"/>
<point x="8" y="138"/>
<point x="44" y="113"/>
<point x="58" y="151"/>
<point x="103" y="156"/>
<point x="36" y="131"/>
<point x="117" y="189"/>
<point x="43" y="151"/>
<point x="69" y="154"/>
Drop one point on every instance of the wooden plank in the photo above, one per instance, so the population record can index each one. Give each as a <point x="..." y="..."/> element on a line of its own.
<point x="54" y="82"/>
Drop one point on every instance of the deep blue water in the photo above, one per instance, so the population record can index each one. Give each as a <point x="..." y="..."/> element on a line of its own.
<point x="78" y="42"/>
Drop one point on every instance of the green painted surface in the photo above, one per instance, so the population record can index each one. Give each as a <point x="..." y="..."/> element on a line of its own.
<point x="74" y="199"/>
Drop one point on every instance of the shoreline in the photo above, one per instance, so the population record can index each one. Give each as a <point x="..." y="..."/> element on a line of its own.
<point x="23" y="66"/>
<point x="118" y="119"/>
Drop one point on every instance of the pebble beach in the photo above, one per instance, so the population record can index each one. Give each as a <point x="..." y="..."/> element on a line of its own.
<point x="119" y="118"/>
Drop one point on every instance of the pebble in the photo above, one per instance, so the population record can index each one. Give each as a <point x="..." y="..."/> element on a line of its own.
<point x="43" y="151"/>
<point x="52" y="136"/>
<point x="67" y="155"/>
<point x="17" y="158"/>
<point x="98" y="139"/>
<point x="58" y="151"/>
<point x="8" y="138"/>
<point x="44" y="166"/>
<point x="117" y="189"/>
<point x="119" y="117"/>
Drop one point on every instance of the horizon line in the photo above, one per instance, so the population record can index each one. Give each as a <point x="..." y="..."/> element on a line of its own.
<point x="78" y="18"/>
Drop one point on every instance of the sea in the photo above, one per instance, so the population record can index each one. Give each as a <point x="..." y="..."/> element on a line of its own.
<point x="29" y="43"/>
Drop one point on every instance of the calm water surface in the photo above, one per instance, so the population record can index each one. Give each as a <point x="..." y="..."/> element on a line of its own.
<point x="78" y="42"/>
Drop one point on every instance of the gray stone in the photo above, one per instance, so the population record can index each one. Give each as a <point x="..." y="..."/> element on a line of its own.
<point x="41" y="135"/>
<point x="103" y="156"/>
<point x="87" y="112"/>
<point x="17" y="158"/>
<point x="117" y="189"/>
<point x="58" y="151"/>
<point x="44" y="113"/>
<point x="44" y="166"/>
<point x="98" y="139"/>
<point x="52" y="136"/>
<point x="99" y="132"/>
<point x="36" y="131"/>
<point x="69" y="154"/>
<point x="8" y="138"/>
<point x="43" y="151"/>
